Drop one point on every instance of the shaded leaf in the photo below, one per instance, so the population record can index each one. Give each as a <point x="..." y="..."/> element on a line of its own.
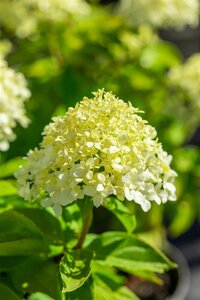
<point x="37" y="274"/>
<point x="10" y="262"/>
<point x="6" y="293"/>
<point x="85" y="205"/>
<point x="19" y="235"/>
<point x="47" y="223"/>
<point x="119" y="209"/>
<point x="179" y="225"/>
<point x="85" y="292"/>
<point x="22" y="247"/>
<point x="72" y="224"/>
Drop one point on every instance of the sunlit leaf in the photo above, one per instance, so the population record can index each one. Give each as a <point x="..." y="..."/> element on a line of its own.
<point x="105" y="288"/>
<point x="128" y="253"/>
<point x="7" y="188"/>
<point x="39" y="296"/>
<point x="75" y="269"/>
<point x="10" y="167"/>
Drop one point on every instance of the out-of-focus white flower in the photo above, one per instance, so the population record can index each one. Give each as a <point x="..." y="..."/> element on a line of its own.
<point x="13" y="94"/>
<point x="161" y="13"/>
<point x="99" y="148"/>
<point x="24" y="16"/>
<point x="59" y="9"/>
<point x="186" y="79"/>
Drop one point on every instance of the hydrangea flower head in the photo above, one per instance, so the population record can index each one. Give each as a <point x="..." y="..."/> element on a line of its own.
<point x="161" y="13"/>
<point x="186" y="77"/>
<point x="13" y="94"/>
<point x="24" y="16"/>
<point x="101" y="147"/>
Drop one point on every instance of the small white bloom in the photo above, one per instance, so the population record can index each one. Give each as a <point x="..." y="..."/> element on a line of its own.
<point x="97" y="200"/>
<point x="100" y="187"/>
<point x="90" y="144"/>
<point x="101" y="177"/>
<point x="46" y="202"/>
<point x="113" y="149"/>
<point x="57" y="209"/>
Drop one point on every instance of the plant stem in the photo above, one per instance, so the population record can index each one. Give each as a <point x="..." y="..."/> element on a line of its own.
<point x="86" y="224"/>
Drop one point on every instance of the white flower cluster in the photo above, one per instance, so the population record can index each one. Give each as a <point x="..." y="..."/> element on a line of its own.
<point x="24" y="16"/>
<point x="186" y="79"/>
<point x="58" y="10"/>
<point x="13" y="94"/>
<point x="161" y="13"/>
<point x="99" y="148"/>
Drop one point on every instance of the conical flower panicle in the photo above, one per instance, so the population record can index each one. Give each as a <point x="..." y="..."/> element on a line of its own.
<point x="101" y="147"/>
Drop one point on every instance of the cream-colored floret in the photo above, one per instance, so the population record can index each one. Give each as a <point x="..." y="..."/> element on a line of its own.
<point x="101" y="147"/>
<point x="13" y="94"/>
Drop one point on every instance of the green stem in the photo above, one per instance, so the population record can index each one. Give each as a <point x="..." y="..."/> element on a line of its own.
<point x="86" y="225"/>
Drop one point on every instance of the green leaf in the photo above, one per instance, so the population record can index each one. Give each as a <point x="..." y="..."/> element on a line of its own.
<point x="7" y="294"/>
<point x="44" y="68"/>
<point x="37" y="274"/>
<point x="185" y="208"/>
<point x="111" y="282"/>
<point x="13" y="201"/>
<point x="109" y="273"/>
<point x="128" y="253"/>
<point x="119" y="209"/>
<point x="10" y="262"/>
<point x="19" y="236"/>
<point x="85" y="206"/>
<point x="48" y="225"/>
<point x="105" y="288"/>
<point x="75" y="269"/>
<point x="159" y="56"/>
<point x="85" y="292"/>
<point x="186" y="159"/>
<point x="7" y="188"/>
<point x="22" y="247"/>
<point x="149" y="276"/>
<point x="9" y="168"/>
<point x="14" y="225"/>
<point x="39" y="296"/>
<point x="72" y="224"/>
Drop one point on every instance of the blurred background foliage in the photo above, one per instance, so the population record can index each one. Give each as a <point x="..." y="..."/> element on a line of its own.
<point x="67" y="49"/>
